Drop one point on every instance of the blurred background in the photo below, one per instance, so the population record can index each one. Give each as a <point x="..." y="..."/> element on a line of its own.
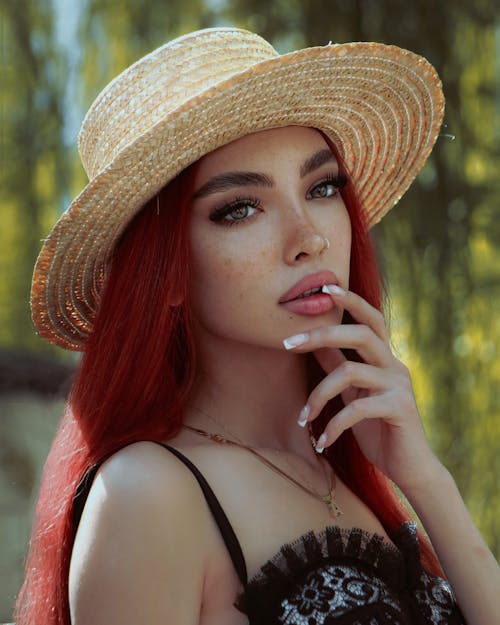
<point x="439" y="248"/>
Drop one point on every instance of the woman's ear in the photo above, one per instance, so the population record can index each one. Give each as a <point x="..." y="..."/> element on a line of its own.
<point x="176" y="293"/>
<point x="175" y="300"/>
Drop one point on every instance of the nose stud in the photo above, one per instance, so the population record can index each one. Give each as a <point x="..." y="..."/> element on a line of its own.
<point x="314" y="244"/>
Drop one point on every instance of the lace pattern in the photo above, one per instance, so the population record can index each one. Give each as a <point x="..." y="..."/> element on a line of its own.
<point x="340" y="577"/>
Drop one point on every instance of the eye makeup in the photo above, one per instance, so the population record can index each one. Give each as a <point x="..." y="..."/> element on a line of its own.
<point x="222" y="213"/>
<point x="338" y="181"/>
<point x="243" y="209"/>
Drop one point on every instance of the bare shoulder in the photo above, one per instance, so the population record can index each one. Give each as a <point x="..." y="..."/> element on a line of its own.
<point x="143" y="468"/>
<point x="139" y="553"/>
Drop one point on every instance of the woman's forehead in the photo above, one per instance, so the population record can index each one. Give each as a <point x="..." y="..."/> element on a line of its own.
<point x="262" y="149"/>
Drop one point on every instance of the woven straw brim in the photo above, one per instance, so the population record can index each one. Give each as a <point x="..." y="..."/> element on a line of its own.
<point x="381" y="106"/>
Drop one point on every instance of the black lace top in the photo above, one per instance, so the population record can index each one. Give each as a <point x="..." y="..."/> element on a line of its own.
<point x="350" y="577"/>
<point x="334" y="577"/>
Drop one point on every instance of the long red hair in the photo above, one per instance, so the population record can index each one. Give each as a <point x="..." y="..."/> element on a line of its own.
<point x="138" y="367"/>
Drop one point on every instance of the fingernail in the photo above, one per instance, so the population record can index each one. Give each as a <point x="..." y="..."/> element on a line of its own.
<point x="304" y="413"/>
<point x="320" y="445"/>
<point x="333" y="289"/>
<point x="295" y="340"/>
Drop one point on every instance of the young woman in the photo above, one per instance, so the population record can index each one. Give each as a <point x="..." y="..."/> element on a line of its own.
<point x="238" y="414"/>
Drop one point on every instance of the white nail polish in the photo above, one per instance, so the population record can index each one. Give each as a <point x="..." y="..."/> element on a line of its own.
<point x="304" y="413"/>
<point x="295" y="340"/>
<point x="320" y="445"/>
<point x="333" y="289"/>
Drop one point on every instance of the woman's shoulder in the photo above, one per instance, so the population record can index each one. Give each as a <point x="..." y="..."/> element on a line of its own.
<point x="147" y="467"/>
<point x="148" y="475"/>
<point x="144" y="521"/>
<point x="144" y="483"/>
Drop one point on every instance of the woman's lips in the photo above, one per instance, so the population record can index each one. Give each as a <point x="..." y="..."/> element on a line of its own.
<point x="307" y="283"/>
<point x="296" y="299"/>
<point x="318" y="304"/>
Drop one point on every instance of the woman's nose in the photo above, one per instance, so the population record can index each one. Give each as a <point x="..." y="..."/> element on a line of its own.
<point x="304" y="242"/>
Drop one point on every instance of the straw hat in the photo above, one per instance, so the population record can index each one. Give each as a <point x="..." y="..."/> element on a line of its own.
<point x="382" y="106"/>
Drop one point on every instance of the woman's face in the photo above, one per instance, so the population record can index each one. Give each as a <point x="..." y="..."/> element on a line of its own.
<point x="262" y="208"/>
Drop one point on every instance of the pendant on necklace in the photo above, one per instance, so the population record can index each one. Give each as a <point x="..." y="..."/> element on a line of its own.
<point x="334" y="509"/>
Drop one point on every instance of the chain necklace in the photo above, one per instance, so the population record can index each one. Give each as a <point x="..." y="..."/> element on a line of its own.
<point x="328" y="499"/>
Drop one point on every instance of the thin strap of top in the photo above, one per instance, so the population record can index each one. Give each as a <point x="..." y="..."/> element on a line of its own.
<point x="225" y="527"/>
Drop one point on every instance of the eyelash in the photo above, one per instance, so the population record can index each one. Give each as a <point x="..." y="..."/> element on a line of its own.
<point x="338" y="181"/>
<point x="219" y="214"/>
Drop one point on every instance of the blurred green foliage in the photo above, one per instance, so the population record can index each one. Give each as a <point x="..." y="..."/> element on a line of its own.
<point x="439" y="247"/>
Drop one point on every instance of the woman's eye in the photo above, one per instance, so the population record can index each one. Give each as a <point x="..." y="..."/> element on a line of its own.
<point x="241" y="212"/>
<point x="324" y="190"/>
<point x="327" y="188"/>
<point x="237" y="211"/>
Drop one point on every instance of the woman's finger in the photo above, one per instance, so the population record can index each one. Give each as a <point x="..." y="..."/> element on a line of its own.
<point x="372" y="407"/>
<point x="359" y="308"/>
<point x="372" y="349"/>
<point x="349" y="374"/>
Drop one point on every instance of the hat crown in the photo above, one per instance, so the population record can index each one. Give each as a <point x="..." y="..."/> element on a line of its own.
<point x="158" y="84"/>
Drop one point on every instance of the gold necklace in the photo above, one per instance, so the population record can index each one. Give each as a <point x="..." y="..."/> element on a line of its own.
<point x="328" y="499"/>
<point x="332" y="482"/>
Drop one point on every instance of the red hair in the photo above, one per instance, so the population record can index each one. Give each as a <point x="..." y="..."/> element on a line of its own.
<point x="138" y="366"/>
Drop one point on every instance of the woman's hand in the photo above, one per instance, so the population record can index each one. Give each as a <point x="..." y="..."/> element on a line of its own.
<point x="380" y="407"/>
<point x="377" y="393"/>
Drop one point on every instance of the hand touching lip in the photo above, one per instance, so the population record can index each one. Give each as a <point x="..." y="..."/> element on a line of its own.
<point x="379" y="404"/>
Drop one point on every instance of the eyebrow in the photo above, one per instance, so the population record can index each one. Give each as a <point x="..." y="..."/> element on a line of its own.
<point x="232" y="179"/>
<point x="316" y="161"/>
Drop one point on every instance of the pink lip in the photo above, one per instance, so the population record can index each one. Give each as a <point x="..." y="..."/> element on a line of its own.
<point x="313" y="305"/>
<point x="312" y="281"/>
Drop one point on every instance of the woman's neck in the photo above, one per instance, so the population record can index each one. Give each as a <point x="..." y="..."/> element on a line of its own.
<point x="255" y="394"/>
